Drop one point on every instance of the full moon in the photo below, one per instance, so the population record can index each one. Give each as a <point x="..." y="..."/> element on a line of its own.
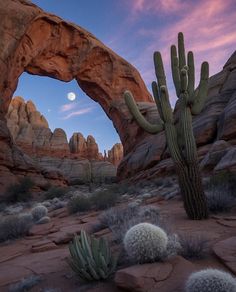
<point x="71" y="96"/>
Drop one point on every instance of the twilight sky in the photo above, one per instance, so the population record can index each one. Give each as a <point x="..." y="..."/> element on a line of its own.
<point x="134" y="29"/>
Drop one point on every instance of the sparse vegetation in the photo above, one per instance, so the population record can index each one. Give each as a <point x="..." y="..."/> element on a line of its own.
<point x="104" y="199"/>
<point x="119" y="220"/>
<point x="91" y="258"/>
<point x="219" y="201"/>
<point x="210" y="280"/>
<point x="79" y="203"/>
<point x="43" y="220"/>
<point x="19" y="192"/>
<point x="39" y="212"/>
<point x="25" y="284"/>
<point x="14" y="226"/>
<point x="55" y="192"/>
<point x="221" y="194"/>
<point x="193" y="246"/>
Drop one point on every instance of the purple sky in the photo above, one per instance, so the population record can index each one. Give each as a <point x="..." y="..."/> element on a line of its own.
<point x="134" y="29"/>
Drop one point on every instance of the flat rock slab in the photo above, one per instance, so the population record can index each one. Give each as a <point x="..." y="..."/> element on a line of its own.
<point x="228" y="223"/>
<point x="43" y="245"/>
<point x="226" y="251"/>
<point x="41" y="229"/>
<point x="162" y="277"/>
<point x="52" y="261"/>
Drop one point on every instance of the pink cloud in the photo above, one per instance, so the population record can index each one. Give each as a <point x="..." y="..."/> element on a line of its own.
<point x="67" y="107"/>
<point x="209" y="29"/>
<point x="166" y="6"/>
<point x="78" y="113"/>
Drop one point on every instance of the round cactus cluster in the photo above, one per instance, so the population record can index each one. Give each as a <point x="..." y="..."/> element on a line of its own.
<point x="39" y="212"/>
<point x="211" y="280"/>
<point x="145" y="242"/>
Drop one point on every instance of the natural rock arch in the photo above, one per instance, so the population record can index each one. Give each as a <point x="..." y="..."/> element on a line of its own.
<point x="43" y="44"/>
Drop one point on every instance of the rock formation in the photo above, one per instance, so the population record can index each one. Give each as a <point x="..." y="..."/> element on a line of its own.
<point x="77" y="161"/>
<point x="214" y="130"/>
<point x="115" y="155"/>
<point x="43" y="44"/>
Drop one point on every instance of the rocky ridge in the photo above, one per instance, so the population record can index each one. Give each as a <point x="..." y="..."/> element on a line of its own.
<point x="78" y="161"/>
<point x="214" y="130"/>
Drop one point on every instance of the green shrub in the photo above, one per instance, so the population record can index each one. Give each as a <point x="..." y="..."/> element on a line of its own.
<point x="14" y="226"/>
<point x="211" y="280"/>
<point x="20" y="192"/>
<point x="79" y="203"/>
<point x="91" y="258"/>
<point x="104" y="199"/>
<point x="145" y="243"/>
<point x="55" y="192"/>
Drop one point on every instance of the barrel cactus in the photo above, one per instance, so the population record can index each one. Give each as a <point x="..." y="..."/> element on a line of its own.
<point x="39" y="212"/>
<point x="91" y="258"/>
<point x="178" y="129"/>
<point x="211" y="280"/>
<point x="145" y="242"/>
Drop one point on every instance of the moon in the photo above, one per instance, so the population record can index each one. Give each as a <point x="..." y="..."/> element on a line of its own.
<point x="71" y="96"/>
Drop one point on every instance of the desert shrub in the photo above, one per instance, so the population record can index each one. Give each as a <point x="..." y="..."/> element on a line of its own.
<point x="43" y="220"/>
<point x="14" y="226"/>
<point x="119" y="220"/>
<point x="145" y="243"/>
<point x="104" y="199"/>
<point x="19" y="192"/>
<point x="55" y="192"/>
<point x="193" y="246"/>
<point x="25" y="284"/>
<point x="210" y="280"/>
<point x="219" y="201"/>
<point x="79" y="203"/>
<point x="91" y="258"/>
<point x="39" y="212"/>
<point x="224" y="180"/>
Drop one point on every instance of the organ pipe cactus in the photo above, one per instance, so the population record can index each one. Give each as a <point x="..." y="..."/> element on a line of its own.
<point x="91" y="258"/>
<point x="179" y="135"/>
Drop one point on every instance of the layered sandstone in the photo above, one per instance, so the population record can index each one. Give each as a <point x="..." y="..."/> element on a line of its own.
<point x="115" y="155"/>
<point x="214" y="130"/>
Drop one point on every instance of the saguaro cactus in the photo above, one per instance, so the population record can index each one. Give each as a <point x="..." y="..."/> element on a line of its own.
<point x="179" y="135"/>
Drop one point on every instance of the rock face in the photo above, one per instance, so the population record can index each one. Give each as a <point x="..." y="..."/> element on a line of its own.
<point x="43" y="44"/>
<point x="214" y="130"/>
<point x="31" y="133"/>
<point x="115" y="155"/>
<point x="78" y="162"/>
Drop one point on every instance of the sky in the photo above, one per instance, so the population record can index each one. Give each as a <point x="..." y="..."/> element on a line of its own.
<point x="134" y="29"/>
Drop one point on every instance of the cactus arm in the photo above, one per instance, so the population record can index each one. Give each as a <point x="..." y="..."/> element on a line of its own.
<point x="191" y="74"/>
<point x="159" y="69"/>
<point x="175" y="69"/>
<point x="170" y="130"/>
<point x="150" y="128"/>
<point x="156" y="95"/>
<point x="181" y="51"/>
<point x="200" y="98"/>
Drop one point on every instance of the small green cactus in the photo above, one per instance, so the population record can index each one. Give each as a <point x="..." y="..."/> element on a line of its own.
<point x="91" y="258"/>
<point x="178" y="130"/>
<point x="39" y="212"/>
<point x="210" y="280"/>
<point x="145" y="243"/>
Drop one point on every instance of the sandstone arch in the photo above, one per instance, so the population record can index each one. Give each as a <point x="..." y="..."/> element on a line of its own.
<point x="43" y="44"/>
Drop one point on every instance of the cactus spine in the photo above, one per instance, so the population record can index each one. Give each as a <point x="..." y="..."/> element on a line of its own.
<point x="179" y="136"/>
